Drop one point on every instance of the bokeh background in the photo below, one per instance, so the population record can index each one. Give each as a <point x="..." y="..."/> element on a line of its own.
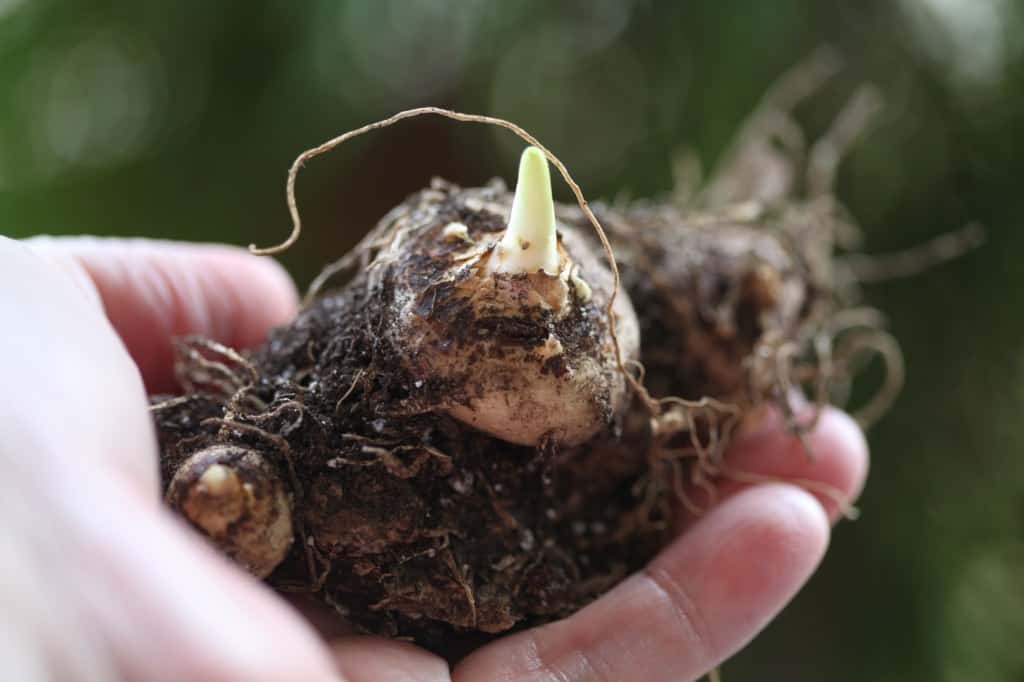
<point x="178" y="120"/>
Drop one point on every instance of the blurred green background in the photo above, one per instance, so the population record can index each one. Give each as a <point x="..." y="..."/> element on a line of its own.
<point x="178" y="120"/>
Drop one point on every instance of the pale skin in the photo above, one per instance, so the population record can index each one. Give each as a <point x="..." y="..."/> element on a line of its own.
<point x="101" y="582"/>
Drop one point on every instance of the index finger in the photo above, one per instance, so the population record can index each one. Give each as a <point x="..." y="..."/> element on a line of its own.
<point x="154" y="291"/>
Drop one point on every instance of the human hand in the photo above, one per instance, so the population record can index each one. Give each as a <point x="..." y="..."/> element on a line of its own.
<point x="104" y="583"/>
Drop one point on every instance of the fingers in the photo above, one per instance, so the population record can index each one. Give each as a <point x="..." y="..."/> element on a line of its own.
<point x="831" y="461"/>
<point x="695" y="605"/>
<point x="154" y="291"/>
<point x="371" y="659"/>
<point x="70" y="395"/>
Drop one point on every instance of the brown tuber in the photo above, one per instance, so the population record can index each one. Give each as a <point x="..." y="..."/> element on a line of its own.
<point x="490" y="423"/>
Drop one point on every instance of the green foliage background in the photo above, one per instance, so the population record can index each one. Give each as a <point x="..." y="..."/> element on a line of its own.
<point x="178" y="120"/>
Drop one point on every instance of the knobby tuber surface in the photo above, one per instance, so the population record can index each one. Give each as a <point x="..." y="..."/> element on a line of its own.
<point x="356" y="455"/>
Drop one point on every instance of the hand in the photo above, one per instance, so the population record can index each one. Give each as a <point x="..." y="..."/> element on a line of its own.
<point x="101" y="582"/>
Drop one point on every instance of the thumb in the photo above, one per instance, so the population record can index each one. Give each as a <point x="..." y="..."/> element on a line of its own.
<point x="78" y="455"/>
<point x="171" y="608"/>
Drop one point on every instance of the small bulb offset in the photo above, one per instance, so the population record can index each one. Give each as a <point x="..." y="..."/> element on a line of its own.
<point x="530" y="241"/>
<point x="236" y="497"/>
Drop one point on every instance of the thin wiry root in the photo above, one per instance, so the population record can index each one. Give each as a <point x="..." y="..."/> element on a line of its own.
<point x="841" y="500"/>
<point x="507" y="519"/>
<point x="826" y="154"/>
<point x="364" y="254"/>
<point x="171" y="403"/>
<point x="826" y="362"/>
<point x="915" y="260"/>
<point x="803" y="80"/>
<point x="349" y="391"/>
<point x="289" y="428"/>
<point x="707" y="425"/>
<point x="245" y="401"/>
<point x="467" y="588"/>
<point x="875" y="342"/>
<point x="762" y="162"/>
<point x="387" y="457"/>
<point x="675" y="466"/>
<point x="194" y="369"/>
<point x="846" y="341"/>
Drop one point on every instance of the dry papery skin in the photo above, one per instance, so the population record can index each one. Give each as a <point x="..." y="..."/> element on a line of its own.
<point x="399" y="451"/>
